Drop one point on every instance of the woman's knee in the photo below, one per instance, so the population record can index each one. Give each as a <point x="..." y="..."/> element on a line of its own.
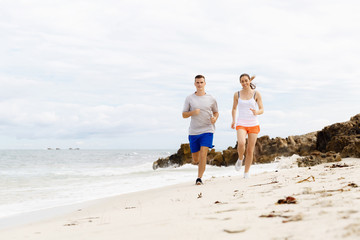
<point x="241" y="145"/>
<point x="250" y="149"/>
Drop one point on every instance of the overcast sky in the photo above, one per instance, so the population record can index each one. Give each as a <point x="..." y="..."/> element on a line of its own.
<point x="115" y="74"/>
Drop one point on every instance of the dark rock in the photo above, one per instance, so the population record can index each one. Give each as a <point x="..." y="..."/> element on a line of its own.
<point x="230" y="156"/>
<point x="341" y="137"/>
<point x="180" y="158"/>
<point x="215" y="158"/>
<point x="317" y="157"/>
<point x="266" y="149"/>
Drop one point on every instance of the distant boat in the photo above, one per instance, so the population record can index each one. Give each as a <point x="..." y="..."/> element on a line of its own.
<point x="57" y="148"/>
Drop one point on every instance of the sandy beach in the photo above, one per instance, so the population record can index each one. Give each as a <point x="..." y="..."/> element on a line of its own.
<point x="321" y="202"/>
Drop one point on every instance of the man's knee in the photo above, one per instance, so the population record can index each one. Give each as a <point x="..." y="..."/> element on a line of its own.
<point x="203" y="152"/>
<point x="195" y="157"/>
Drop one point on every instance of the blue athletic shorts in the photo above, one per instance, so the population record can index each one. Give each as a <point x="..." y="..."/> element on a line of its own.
<point x="201" y="140"/>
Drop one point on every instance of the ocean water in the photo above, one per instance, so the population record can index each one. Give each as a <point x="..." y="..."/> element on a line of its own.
<point x="32" y="180"/>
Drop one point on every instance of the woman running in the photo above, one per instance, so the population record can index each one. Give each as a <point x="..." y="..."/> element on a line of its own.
<point x="248" y="103"/>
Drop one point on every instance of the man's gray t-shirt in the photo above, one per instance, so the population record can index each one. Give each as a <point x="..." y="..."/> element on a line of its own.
<point x="201" y="123"/>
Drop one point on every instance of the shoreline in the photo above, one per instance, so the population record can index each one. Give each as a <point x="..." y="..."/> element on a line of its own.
<point x="222" y="208"/>
<point x="163" y="177"/>
<point x="29" y="217"/>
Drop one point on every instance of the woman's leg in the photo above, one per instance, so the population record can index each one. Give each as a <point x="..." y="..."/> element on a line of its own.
<point x="241" y="140"/>
<point x="252" y="137"/>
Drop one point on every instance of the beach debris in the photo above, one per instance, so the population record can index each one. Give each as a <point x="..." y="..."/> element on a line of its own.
<point x="235" y="192"/>
<point x="235" y="231"/>
<point x="228" y="210"/>
<point x="199" y="195"/>
<point x="339" y="165"/>
<point x="81" y="220"/>
<point x="262" y="184"/>
<point x="130" y="207"/>
<point x="287" y="200"/>
<point x="271" y="215"/>
<point x="331" y="190"/>
<point x="295" y="218"/>
<point x="274" y="214"/>
<point x="354" y="185"/>
<point x="218" y="202"/>
<point x="309" y="179"/>
<point x="89" y="218"/>
<point x="71" y="224"/>
<point x="335" y="190"/>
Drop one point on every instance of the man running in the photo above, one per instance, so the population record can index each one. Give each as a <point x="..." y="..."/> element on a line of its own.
<point x="203" y="110"/>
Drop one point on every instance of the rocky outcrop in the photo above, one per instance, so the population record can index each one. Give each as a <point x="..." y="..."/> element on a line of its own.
<point x="343" y="138"/>
<point x="183" y="156"/>
<point x="180" y="158"/>
<point x="317" y="157"/>
<point x="329" y="144"/>
<point x="230" y="156"/>
<point x="266" y="149"/>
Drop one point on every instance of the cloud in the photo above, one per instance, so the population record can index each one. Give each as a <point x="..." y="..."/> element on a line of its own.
<point x="57" y="120"/>
<point x="116" y="73"/>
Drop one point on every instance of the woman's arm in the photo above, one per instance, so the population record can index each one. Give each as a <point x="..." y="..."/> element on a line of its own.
<point x="233" y="111"/>
<point x="258" y="99"/>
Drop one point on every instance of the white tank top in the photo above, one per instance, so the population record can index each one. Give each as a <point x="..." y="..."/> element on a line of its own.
<point x="246" y="117"/>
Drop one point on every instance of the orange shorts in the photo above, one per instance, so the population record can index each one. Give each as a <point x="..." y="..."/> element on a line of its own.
<point x="254" y="129"/>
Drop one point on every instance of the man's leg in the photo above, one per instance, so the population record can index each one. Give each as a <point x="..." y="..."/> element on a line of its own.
<point x="195" y="157"/>
<point x="195" y="148"/>
<point x="252" y="137"/>
<point x="202" y="160"/>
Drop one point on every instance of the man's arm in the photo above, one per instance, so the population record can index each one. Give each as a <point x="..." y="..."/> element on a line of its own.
<point x="215" y="117"/>
<point x="191" y="113"/>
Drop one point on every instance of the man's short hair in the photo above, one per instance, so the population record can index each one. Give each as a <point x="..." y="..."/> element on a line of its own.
<point x="199" y="76"/>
